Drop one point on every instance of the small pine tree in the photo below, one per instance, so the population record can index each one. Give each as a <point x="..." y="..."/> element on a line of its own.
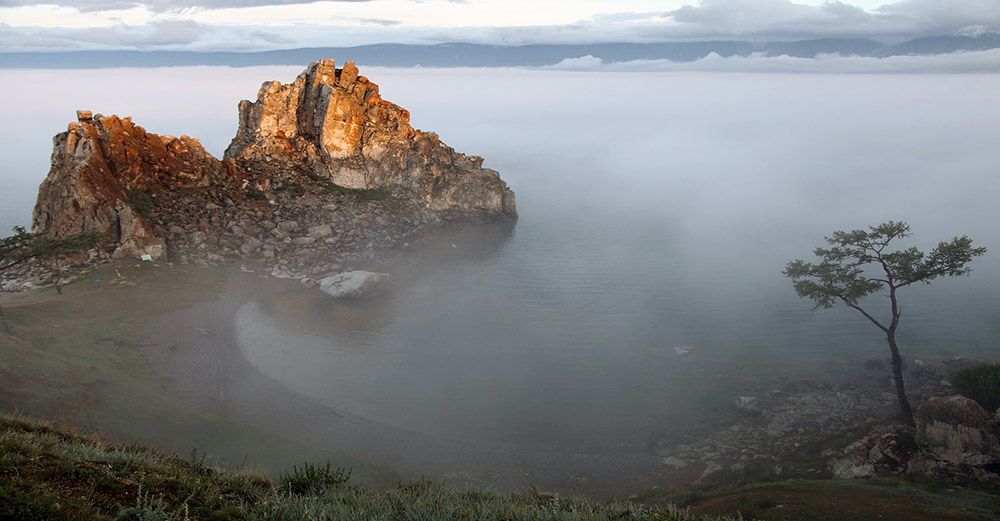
<point x="860" y="263"/>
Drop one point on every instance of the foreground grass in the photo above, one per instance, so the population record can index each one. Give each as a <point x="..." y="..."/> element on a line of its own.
<point x="47" y="473"/>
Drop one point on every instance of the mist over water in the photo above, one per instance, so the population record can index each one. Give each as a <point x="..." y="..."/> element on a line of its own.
<point x="641" y="290"/>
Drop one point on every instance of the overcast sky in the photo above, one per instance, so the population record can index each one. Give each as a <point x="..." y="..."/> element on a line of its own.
<point x="270" y="24"/>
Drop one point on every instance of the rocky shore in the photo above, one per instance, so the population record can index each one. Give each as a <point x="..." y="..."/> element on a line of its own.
<point x="846" y="429"/>
<point x="321" y="172"/>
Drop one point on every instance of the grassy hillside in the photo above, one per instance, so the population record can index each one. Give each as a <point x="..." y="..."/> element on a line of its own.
<point x="46" y="473"/>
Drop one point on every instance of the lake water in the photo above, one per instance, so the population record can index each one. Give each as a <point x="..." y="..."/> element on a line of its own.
<point x="641" y="290"/>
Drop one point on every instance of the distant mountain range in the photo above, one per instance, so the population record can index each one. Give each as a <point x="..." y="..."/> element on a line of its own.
<point x="479" y="55"/>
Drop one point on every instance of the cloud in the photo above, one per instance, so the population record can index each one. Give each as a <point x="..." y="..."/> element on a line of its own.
<point x="158" y="5"/>
<point x="960" y="62"/>
<point x="380" y="22"/>
<point x="384" y="22"/>
<point x="166" y="34"/>
<point x="937" y="16"/>
<point x="777" y="19"/>
<point x="147" y="36"/>
<point x="82" y="5"/>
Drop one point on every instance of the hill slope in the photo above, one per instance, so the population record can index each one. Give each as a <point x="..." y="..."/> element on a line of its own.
<point x="46" y="473"/>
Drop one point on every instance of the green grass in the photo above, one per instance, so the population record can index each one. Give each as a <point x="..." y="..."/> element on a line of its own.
<point x="48" y="473"/>
<point x="141" y="201"/>
<point x="313" y="479"/>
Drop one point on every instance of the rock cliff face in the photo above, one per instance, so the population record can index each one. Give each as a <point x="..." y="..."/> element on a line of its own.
<point x="98" y="165"/>
<point x="335" y="124"/>
<point x="325" y="151"/>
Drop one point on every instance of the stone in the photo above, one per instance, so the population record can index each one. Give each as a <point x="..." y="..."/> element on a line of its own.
<point x="747" y="404"/>
<point x="957" y="430"/>
<point x="885" y="450"/>
<point x="318" y="232"/>
<point x="674" y="462"/>
<point x="355" y="283"/>
<point x="251" y="245"/>
<point x="287" y="226"/>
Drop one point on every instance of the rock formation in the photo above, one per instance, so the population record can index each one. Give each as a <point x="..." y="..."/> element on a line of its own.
<point x="954" y="439"/>
<point x="99" y="164"/>
<point x="958" y="430"/>
<point x="320" y="169"/>
<point x="335" y="124"/>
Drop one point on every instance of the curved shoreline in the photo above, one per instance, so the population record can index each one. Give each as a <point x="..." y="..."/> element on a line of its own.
<point x="206" y="367"/>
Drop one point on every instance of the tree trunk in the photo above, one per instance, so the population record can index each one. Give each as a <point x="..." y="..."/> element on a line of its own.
<point x="897" y="374"/>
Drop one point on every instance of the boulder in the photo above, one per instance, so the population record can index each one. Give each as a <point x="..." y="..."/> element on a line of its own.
<point x="318" y="232"/>
<point x="885" y="450"/>
<point x="287" y="226"/>
<point x="958" y="430"/>
<point x="352" y="284"/>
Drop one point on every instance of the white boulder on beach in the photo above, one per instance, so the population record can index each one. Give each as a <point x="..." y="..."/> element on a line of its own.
<point x="352" y="283"/>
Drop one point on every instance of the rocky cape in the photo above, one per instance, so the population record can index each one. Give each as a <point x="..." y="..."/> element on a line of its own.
<point x="321" y="170"/>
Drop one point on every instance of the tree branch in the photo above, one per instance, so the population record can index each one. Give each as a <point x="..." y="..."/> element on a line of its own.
<point x="865" y="313"/>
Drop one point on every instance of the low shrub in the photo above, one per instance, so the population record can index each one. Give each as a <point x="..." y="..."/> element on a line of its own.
<point x="980" y="383"/>
<point x="313" y="479"/>
<point x="141" y="201"/>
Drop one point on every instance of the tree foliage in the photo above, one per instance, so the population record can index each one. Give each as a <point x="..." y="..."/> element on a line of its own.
<point x="980" y="383"/>
<point x="844" y="271"/>
<point x="24" y="246"/>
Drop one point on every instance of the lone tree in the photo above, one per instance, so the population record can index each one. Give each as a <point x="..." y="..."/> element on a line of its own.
<point x="859" y="263"/>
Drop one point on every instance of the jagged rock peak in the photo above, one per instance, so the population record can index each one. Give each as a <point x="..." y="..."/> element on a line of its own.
<point x="326" y="110"/>
<point x="98" y="162"/>
<point x="334" y="123"/>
